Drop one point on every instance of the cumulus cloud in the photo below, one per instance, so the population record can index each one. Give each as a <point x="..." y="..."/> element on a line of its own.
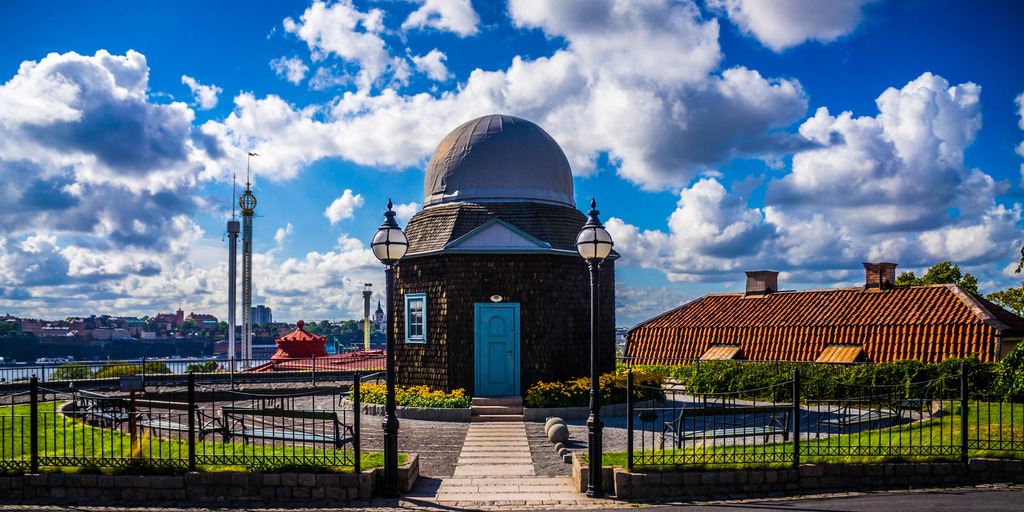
<point x="343" y="207"/>
<point x="876" y="189"/>
<point x="455" y="16"/>
<point x="902" y="169"/>
<point x="291" y="68"/>
<point x="205" y="96"/>
<point x="341" y="30"/>
<point x="404" y="212"/>
<point x="781" y="24"/>
<point x="1019" y="101"/>
<point x="636" y="82"/>
<point x="282" y="234"/>
<point x="433" y="65"/>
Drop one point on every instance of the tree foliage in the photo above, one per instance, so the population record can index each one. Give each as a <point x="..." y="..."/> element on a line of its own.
<point x="1011" y="299"/>
<point x="941" y="273"/>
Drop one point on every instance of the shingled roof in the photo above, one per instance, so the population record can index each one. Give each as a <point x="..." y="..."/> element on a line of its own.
<point x="433" y="228"/>
<point x="928" y="323"/>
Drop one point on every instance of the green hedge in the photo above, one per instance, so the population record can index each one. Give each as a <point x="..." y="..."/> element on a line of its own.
<point x="765" y="380"/>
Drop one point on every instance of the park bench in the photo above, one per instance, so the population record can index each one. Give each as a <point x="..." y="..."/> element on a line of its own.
<point x="858" y="413"/>
<point x="298" y="426"/>
<point x="103" y="409"/>
<point x="727" y="422"/>
<point x="173" y="417"/>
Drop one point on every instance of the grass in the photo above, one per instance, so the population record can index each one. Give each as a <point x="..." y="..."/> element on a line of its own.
<point x="906" y="443"/>
<point x="85" y="448"/>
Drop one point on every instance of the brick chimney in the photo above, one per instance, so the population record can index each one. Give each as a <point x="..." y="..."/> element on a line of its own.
<point x="879" y="275"/>
<point x="761" y="282"/>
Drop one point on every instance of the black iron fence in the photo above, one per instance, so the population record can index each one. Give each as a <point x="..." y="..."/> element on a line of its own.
<point x="781" y="423"/>
<point x="206" y="425"/>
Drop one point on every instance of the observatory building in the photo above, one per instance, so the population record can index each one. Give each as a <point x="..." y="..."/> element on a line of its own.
<point x="492" y="295"/>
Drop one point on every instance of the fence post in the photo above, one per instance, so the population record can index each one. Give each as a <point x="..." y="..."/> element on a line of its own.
<point x="33" y="424"/>
<point x="314" y="370"/>
<point x="629" y="420"/>
<point x="963" y="414"/>
<point x="357" y="409"/>
<point x="796" y="417"/>
<point x="191" y="421"/>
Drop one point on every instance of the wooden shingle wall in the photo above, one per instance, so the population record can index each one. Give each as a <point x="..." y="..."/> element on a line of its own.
<point x="553" y="293"/>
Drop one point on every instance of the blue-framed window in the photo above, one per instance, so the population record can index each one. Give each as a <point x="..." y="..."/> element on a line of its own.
<point x="416" y="318"/>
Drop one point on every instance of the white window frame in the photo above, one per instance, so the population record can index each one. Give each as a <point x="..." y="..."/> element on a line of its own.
<point x="409" y="338"/>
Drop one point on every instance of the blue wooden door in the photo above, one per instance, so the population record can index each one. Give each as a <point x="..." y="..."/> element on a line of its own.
<point x="497" y="349"/>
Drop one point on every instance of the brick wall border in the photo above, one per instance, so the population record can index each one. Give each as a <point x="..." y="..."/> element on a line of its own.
<point x="203" y="487"/>
<point x="806" y="477"/>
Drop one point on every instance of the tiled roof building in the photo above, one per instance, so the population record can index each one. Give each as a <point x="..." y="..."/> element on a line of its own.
<point x="876" y="322"/>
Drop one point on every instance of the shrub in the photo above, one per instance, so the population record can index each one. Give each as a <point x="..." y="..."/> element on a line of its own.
<point x="415" y="396"/>
<point x="71" y="371"/>
<point x="612" y="388"/>
<point x="1010" y="372"/>
<point x="207" y="367"/>
<point x="117" y="370"/>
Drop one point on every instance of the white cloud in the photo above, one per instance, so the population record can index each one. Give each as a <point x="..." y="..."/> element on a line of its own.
<point x="343" y="31"/>
<point x="205" y="95"/>
<point x="902" y="169"/>
<point x="282" y="234"/>
<point x="433" y="65"/>
<point x="781" y="24"/>
<point x="1019" y="101"/>
<point x="292" y="68"/>
<point x="404" y="212"/>
<point x="343" y="207"/>
<point x="455" y="16"/>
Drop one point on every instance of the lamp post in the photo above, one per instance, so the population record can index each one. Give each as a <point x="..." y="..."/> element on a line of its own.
<point x="389" y="245"/>
<point x="594" y="244"/>
<point x="367" y="293"/>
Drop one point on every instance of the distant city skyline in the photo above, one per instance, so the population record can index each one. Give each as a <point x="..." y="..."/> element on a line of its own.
<point x="718" y="136"/>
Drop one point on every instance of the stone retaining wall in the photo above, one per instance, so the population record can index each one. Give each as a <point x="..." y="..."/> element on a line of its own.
<point x="806" y="477"/>
<point x="213" y="486"/>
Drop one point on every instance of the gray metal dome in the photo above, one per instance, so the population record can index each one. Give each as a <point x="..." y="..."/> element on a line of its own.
<point x="498" y="158"/>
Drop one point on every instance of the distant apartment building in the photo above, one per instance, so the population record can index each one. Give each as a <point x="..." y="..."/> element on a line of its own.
<point x="134" y="326"/>
<point x="170" y="320"/>
<point x="208" y="322"/>
<point x="261" y="315"/>
<point x="110" y="333"/>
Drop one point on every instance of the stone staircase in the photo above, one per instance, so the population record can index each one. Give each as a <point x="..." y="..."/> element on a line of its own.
<point x="502" y="408"/>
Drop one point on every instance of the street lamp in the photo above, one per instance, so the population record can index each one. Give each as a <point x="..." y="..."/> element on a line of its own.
<point x="594" y="244"/>
<point x="389" y="245"/>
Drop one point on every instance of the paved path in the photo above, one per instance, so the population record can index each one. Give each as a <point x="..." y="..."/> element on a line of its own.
<point x="495" y="470"/>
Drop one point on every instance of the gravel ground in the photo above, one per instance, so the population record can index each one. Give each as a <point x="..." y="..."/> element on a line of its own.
<point x="438" y="443"/>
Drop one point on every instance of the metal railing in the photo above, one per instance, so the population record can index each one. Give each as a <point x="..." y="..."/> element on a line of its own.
<point x="200" y="425"/>
<point x="923" y="419"/>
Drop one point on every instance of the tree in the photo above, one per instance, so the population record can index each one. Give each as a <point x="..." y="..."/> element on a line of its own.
<point x="1010" y="298"/>
<point x="189" y="326"/>
<point x="941" y="273"/>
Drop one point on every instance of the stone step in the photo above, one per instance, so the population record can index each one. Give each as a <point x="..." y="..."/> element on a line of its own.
<point x="497" y="400"/>
<point x="498" y="418"/>
<point x="482" y="410"/>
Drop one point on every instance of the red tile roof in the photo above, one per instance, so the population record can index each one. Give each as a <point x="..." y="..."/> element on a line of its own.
<point x="928" y="323"/>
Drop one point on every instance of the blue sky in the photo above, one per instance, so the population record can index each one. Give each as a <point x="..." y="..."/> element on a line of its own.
<point x="718" y="136"/>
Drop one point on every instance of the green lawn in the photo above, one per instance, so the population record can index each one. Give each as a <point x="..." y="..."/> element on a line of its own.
<point x="80" y="446"/>
<point x="998" y="425"/>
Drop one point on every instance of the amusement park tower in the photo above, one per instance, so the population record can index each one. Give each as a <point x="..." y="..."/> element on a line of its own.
<point x="248" y="204"/>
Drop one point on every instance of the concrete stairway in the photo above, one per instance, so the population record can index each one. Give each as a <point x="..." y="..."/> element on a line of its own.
<point x="495" y="470"/>
<point x="503" y="408"/>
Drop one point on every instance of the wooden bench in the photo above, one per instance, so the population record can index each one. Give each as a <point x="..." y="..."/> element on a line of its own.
<point x="173" y="417"/>
<point x="769" y="420"/>
<point x="101" y="408"/>
<point x="860" y="412"/>
<point x="281" y="425"/>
